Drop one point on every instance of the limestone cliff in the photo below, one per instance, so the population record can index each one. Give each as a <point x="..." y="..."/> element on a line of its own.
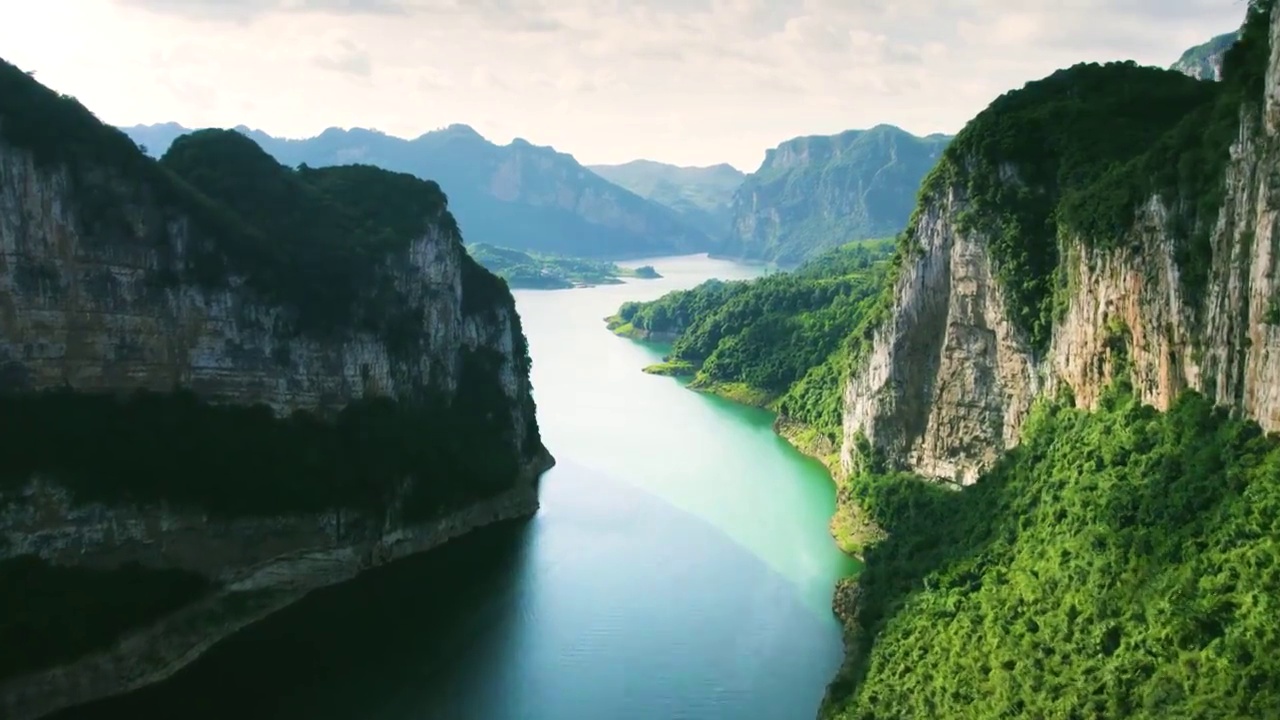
<point x="117" y="276"/>
<point x="1179" y="295"/>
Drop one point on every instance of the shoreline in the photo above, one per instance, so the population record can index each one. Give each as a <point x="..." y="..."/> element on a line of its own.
<point x="847" y="528"/>
<point x="157" y="651"/>
<point x="844" y="523"/>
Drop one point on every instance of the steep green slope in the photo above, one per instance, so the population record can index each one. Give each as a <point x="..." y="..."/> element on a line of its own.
<point x="1121" y="564"/>
<point x="1087" y="146"/>
<point x="1117" y="564"/>
<point x="1061" y="135"/>
<point x="816" y="193"/>
<point x="782" y="341"/>
<point x="519" y="195"/>
<point x="701" y="195"/>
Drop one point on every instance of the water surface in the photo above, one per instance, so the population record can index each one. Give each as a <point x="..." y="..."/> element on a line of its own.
<point x="680" y="567"/>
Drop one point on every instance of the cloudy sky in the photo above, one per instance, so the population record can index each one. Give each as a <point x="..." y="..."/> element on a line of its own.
<point x="691" y="82"/>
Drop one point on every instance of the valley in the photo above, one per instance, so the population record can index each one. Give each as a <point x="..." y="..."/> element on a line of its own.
<point x="895" y="425"/>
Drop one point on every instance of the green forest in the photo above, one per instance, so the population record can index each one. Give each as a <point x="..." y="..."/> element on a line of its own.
<point x="1117" y="564"/>
<point x="1123" y="563"/>
<point x="783" y="341"/>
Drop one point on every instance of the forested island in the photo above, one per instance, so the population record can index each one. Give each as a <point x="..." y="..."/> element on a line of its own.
<point x="541" y="271"/>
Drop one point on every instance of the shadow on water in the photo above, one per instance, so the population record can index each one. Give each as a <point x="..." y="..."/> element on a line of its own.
<point x="348" y="649"/>
<point x="609" y="604"/>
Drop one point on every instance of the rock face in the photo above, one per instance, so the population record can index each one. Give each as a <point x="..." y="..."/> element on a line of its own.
<point x="1204" y="62"/>
<point x="79" y="311"/>
<point x="519" y="195"/>
<point x="815" y="193"/>
<point x="98" y="307"/>
<point x="951" y="377"/>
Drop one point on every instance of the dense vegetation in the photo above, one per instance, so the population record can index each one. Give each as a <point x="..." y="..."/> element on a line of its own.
<point x="1119" y="564"/>
<point x="1081" y="150"/>
<point x="1058" y="135"/>
<point x="550" y="272"/>
<point x="63" y="613"/>
<point x="784" y="340"/>
<point x="1187" y="166"/>
<point x="328" y="231"/>
<point x="813" y="194"/>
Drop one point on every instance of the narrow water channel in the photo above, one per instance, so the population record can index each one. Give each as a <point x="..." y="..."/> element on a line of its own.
<point x="679" y="568"/>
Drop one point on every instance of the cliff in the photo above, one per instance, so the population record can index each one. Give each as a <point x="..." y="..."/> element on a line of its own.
<point x="519" y="195"/>
<point x="1204" y="61"/>
<point x="813" y="194"/>
<point x="1081" y="346"/>
<point x="1148" y="245"/>
<point x="230" y="382"/>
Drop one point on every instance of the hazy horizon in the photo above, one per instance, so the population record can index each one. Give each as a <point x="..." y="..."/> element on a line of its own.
<point x="687" y="83"/>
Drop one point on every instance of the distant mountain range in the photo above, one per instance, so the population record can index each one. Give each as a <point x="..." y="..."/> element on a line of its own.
<point x="517" y="195"/>
<point x="701" y="195"/>
<point x="810" y="194"/>
<point x="1204" y="61"/>
<point x="815" y="193"/>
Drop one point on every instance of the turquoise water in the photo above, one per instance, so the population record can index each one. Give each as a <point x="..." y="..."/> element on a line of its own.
<point x="680" y="567"/>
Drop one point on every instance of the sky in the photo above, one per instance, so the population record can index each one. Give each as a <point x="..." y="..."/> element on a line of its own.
<point x="689" y="82"/>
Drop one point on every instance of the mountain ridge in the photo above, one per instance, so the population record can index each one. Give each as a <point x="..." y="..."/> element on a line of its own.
<point x="699" y="194"/>
<point x="814" y="193"/>
<point x="519" y="195"/>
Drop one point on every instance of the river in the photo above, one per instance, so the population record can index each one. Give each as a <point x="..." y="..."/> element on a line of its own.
<point x="680" y="568"/>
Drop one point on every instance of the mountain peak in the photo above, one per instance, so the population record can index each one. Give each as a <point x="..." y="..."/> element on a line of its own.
<point x="461" y="130"/>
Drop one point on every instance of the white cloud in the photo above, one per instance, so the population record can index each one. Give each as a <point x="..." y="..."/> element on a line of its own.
<point x="686" y="81"/>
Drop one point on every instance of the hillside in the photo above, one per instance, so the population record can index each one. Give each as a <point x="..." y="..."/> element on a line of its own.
<point x="815" y="193"/>
<point x="1204" y="62"/>
<point x="701" y="195"/>
<point x="519" y="195"/>
<point x="225" y="383"/>
<point x="1093" y="250"/>
<point x="1057" y="448"/>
